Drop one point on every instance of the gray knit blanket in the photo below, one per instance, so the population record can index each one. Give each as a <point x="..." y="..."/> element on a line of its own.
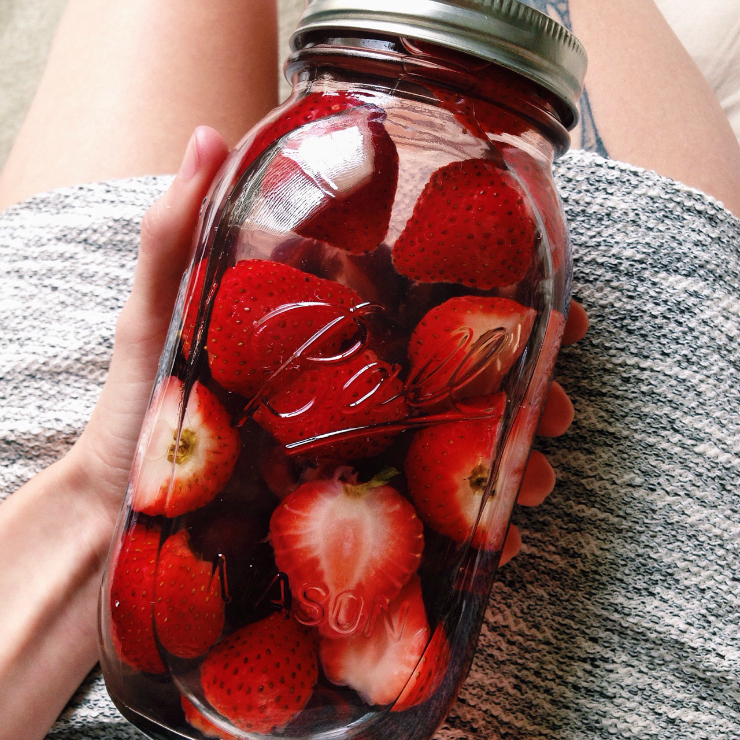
<point x="621" y="617"/>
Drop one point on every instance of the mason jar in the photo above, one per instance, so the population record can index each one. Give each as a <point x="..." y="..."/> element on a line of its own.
<point x="352" y="380"/>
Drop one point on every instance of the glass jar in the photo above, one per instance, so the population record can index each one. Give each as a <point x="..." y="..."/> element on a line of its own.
<point x="352" y="381"/>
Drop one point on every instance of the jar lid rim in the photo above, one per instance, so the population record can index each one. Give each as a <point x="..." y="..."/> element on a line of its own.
<point x="506" y="32"/>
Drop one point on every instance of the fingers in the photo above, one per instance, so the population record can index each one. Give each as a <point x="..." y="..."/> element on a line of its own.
<point x="167" y="228"/>
<point x="538" y="481"/>
<point x="512" y="545"/>
<point x="577" y="324"/>
<point x="557" y="414"/>
<point x="539" y="477"/>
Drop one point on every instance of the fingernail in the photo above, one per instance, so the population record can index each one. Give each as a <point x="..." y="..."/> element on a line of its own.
<point x="191" y="160"/>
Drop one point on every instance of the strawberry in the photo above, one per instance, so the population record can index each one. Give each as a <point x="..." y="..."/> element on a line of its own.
<point x="283" y="473"/>
<point x="370" y="275"/>
<point x="195" y="718"/>
<point x="264" y="313"/>
<point x="189" y="613"/>
<point x="333" y="180"/>
<point x="335" y="408"/>
<point x="132" y="600"/>
<point x="347" y="549"/>
<point x="511" y="90"/>
<point x="428" y="674"/>
<point x="383" y="661"/>
<point x="176" y="472"/>
<point x="262" y="675"/>
<point x="519" y="441"/>
<point x="448" y="468"/>
<point x="294" y="114"/>
<point x="465" y="347"/>
<point x="537" y="178"/>
<point x="472" y="224"/>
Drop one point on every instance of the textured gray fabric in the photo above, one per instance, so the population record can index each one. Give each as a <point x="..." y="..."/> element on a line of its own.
<point x="66" y="267"/>
<point x="620" y="619"/>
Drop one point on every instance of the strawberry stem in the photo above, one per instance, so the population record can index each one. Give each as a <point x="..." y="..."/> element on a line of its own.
<point x="359" y="489"/>
<point x="383" y="477"/>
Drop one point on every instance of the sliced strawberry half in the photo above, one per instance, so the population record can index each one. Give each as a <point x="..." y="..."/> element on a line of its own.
<point x="189" y="613"/>
<point x="261" y="676"/>
<point x="338" y="410"/>
<point x="294" y="114"/>
<point x="333" y="180"/>
<point x="472" y="224"/>
<point x="384" y="662"/>
<point x="448" y="468"/>
<point x="181" y="469"/>
<point x="264" y="313"/>
<point x="347" y="548"/>
<point x="132" y="600"/>
<point x="465" y="347"/>
<point x="428" y="673"/>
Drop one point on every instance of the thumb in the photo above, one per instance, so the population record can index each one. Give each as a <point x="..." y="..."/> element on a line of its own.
<point x="109" y="440"/>
<point x="168" y="226"/>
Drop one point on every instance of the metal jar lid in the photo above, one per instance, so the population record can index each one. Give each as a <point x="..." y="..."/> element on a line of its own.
<point x="503" y="31"/>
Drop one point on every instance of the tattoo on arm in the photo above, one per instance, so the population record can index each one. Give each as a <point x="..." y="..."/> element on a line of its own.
<point x="559" y="10"/>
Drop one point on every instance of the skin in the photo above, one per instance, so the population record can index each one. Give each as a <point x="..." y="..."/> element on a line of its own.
<point x="646" y="102"/>
<point x="127" y="81"/>
<point x="56" y="529"/>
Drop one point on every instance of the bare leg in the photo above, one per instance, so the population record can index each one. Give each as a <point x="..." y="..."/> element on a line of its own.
<point x="647" y="103"/>
<point x="127" y="82"/>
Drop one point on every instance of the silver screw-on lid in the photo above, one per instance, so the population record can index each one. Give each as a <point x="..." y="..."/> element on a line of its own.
<point x="503" y="31"/>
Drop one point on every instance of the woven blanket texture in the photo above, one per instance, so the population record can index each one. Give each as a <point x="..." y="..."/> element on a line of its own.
<point x="621" y="616"/>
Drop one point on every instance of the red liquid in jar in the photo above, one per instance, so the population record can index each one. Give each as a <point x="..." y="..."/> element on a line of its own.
<point x="327" y="470"/>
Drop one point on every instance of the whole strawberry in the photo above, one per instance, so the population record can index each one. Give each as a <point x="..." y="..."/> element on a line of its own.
<point x="262" y="675"/>
<point x="181" y="469"/>
<point x="338" y="410"/>
<point x="448" y="468"/>
<point x="347" y="548"/>
<point x="264" y="313"/>
<point x="189" y="612"/>
<point x="132" y="594"/>
<point x="472" y="224"/>
<point x="464" y="348"/>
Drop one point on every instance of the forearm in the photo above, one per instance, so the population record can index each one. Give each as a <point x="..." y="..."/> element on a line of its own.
<point x="53" y="541"/>
<point x="646" y="102"/>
